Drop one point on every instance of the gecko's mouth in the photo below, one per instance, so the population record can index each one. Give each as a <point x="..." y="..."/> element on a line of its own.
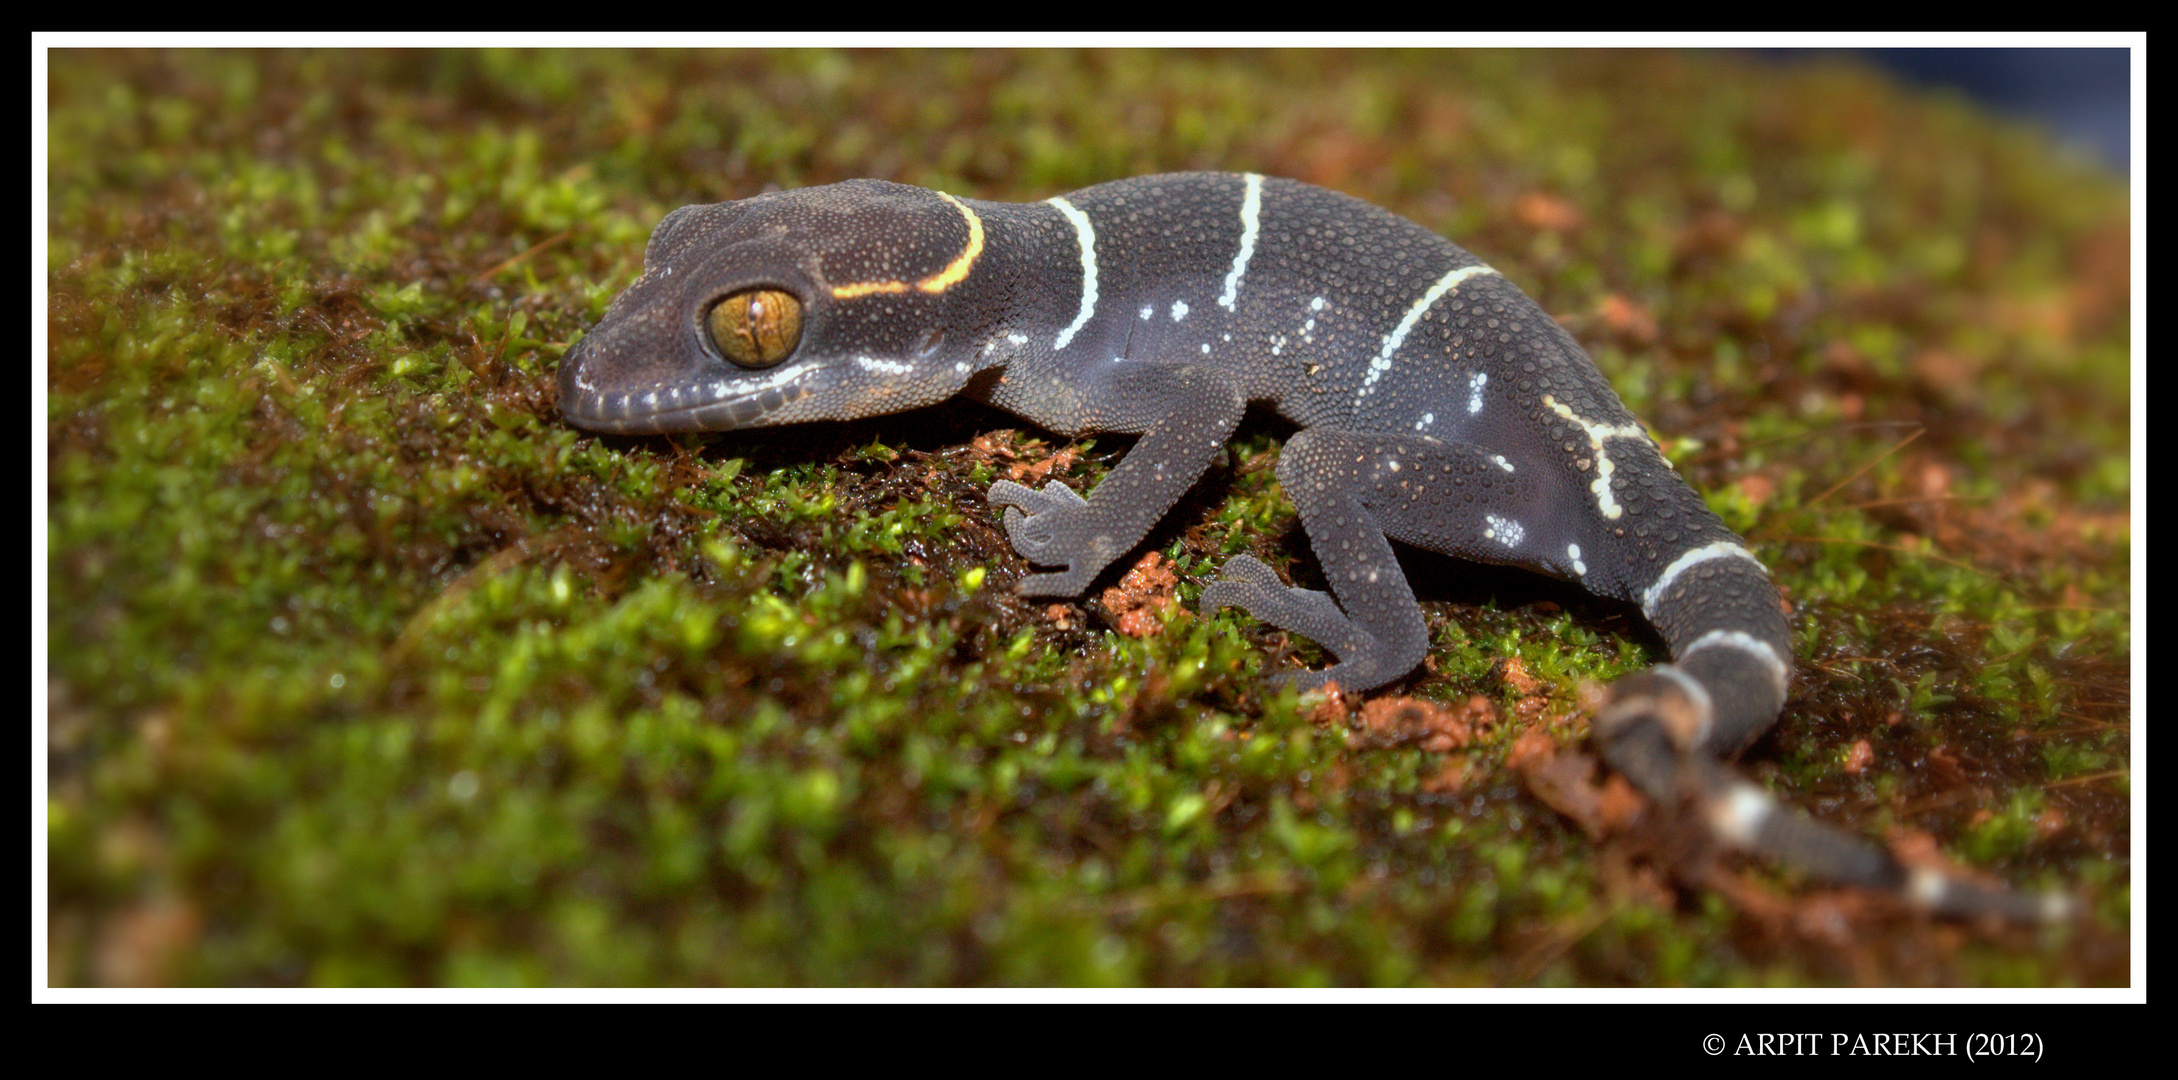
<point x="716" y="402"/>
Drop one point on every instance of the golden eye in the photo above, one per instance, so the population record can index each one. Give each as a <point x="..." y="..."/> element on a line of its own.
<point x="757" y="328"/>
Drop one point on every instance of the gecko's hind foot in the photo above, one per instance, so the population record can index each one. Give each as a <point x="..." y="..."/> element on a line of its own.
<point x="1364" y="661"/>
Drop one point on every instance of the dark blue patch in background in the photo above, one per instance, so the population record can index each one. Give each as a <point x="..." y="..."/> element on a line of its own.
<point x="2083" y="96"/>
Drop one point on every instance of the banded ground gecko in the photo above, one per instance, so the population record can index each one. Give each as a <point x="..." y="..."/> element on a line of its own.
<point x="1437" y="405"/>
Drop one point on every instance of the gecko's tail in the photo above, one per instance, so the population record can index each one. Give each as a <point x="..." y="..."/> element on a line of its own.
<point x="1635" y="732"/>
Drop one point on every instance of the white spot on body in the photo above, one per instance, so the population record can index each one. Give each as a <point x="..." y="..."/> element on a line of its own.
<point x="1501" y="462"/>
<point x="1251" y="210"/>
<point x="1086" y="234"/>
<point x="883" y="367"/>
<point x="1004" y="342"/>
<point x="1474" y="392"/>
<point x="1179" y="310"/>
<point x="1572" y="551"/>
<point x="1147" y="311"/>
<point x="1504" y="530"/>
<point x="776" y="379"/>
<point x="1308" y="326"/>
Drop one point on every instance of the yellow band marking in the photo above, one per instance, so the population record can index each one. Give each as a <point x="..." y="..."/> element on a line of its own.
<point x="953" y="274"/>
<point x="958" y="269"/>
<point x="849" y="292"/>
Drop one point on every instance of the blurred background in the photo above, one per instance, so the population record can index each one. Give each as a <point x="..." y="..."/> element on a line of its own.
<point x="2081" y="95"/>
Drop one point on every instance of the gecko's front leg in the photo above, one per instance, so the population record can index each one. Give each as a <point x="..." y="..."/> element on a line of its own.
<point x="1184" y="415"/>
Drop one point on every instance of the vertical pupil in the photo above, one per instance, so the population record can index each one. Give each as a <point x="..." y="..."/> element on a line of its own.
<point x="753" y="323"/>
<point x="756" y="328"/>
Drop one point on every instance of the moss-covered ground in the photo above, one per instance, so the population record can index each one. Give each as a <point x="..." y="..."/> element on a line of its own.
<point x="365" y="668"/>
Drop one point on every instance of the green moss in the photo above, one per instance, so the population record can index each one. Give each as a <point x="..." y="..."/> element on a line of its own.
<point x="365" y="669"/>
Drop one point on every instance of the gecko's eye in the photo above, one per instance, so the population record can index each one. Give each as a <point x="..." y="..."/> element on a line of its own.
<point x="756" y="328"/>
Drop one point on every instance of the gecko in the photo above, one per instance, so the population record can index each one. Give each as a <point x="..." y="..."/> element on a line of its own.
<point x="1436" y="405"/>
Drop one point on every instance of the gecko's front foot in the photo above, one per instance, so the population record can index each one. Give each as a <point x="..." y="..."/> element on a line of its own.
<point x="1047" y="528"/>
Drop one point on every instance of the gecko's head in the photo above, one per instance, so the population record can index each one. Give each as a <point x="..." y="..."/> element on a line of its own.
<point x="823" y="303"/>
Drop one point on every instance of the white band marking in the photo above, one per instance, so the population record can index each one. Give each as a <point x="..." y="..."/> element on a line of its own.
<point x="1722" y="549"/>
<point x="1087" y="234"/>
<point x="1738" y="817"/>
<point x="1601" y="485"/>
<point x="1696" y="695"/>
<point x="1251" y="210"/>
<point x="1926" y="887"/>
<point x="1398" y="336"/>
<point x="1747" y="643"/>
